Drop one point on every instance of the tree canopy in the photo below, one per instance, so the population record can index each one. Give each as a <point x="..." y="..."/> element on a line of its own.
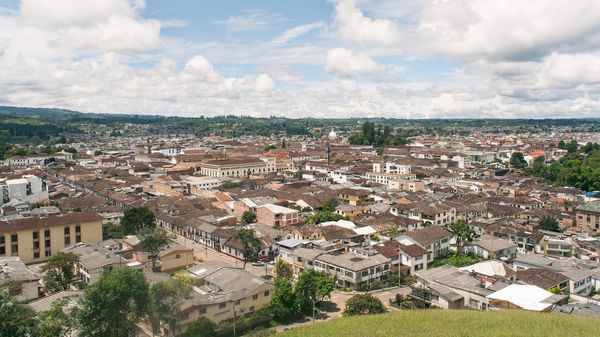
<point x="153" y="240"/>
<point x="248" y="217"/>
<point x="517" y="160"/>
<point x="251" y="244"/>
<point x="136" y="219"/>
<point x="59" y="271"/>
<point x="462" y="232"/>
<point x="363" y="304"/>
<point x="549" y="223"/>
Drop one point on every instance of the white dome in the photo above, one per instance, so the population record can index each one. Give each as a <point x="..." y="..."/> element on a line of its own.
<point x="332" y="135"/>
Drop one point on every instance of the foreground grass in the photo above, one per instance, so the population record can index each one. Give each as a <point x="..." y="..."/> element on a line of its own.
<point x="455" y="323"/>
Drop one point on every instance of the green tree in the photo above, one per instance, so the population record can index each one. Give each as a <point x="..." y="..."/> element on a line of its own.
<point x="56" y="322"/>
<point x="269" y="148"/>
<point x="312" y="286"/>
<point x="283" y="301"/>
<point x="114" y="304"/>
<point x="202" y="327"/>
<point x="517" y="160"/>
<point x="251" y="244"/>
<point x="16" y="320"/>
<point x="283" y="270"/>
<point x="548" y="223"/>
<point x="330" y="204"/>
<point x="323" y="216"/>
<point x="59" y="271"/>
<point x="572" y="146"/>
<point x="462" y="232"/>
<point x="363" y="304"/>
<point x="167" y="298"/>
<point x="136" y="219"/>
<point x="248" y="217"/>
<point x="153" y="240"/>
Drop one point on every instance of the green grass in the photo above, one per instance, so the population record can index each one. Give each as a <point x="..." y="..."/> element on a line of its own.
<point x="453" y="323"/>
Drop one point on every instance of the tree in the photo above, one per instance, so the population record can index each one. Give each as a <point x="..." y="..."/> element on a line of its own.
<point x="330" y="204"/>
<point x="59" y="271"/>
<point x="136" y="219"/>
<point x="462" y="232"/>
<point x="283" y="301"/>
<point x="549" y="223"/>
<point x="323" y="216"/>
<point x="113" y="305"/>
<point x="269" y="148"/>
<point x="16" y="320"/>
<point x="311" y="288"/>
<point x="363" y="304"/>
<point x="168" y="296"/>
<point x="250" y="244"/>
<point x="517" y="160"/>
<point x="248" y="217"/>
<point x="56" y="322"/>
<point x="561" y="144"/>
<point x="202" y="327"/>
<point x="572" y="146"/>
<point x="283" y="270"/>
<point x="154" y="240"/>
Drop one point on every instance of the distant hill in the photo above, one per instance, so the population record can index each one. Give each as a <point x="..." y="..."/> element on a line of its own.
<point x="452" y="323"/>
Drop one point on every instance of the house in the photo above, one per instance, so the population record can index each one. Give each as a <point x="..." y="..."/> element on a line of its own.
<point x="488" y="246"/>
<point x="241" y="167"/>
<point x="526" y="297"/>
<point x="17" y="280"/>
<point x="491" y="268"/>
<point x="434" y="239"/>
<point x="544" y="278"/>
<point x="220" y="295"/>
<point x="172" y="258"/>
<point x="276" y="216"/>
<point x="413" y="258"/>
<point x="354" y="197"/>
<point x="433" y="214"/>
<point x="95" y="259"/>
<point x="35" y="239"/>
<point x="28" y="188"/>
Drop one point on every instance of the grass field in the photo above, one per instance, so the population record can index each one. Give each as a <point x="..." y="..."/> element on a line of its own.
<point x="454" y="323"/>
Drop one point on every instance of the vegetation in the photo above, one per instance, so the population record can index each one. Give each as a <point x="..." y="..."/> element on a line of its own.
<point x="229" y="185"/>
<point x="16" y="320"/>
<point x="250" y="244"/>
<point x="378" y="136"/>
<point x="283" y="301"/>
<point x="202" y="327"/>
<point x="311" y="288"/>
<point x="154" y="240"/>
<point x="167" y="297"/>
<point x="517" y="160"/>
<point x="462" y="232"/>
<point x="137" y="219"/>
<point x="283" y="270"/>
<point x="56" y="322"/>
<point x="114" y="304"/>
<point x="579" y="168"/>
<point x="363" y="304"/>
<point x="59" y="271"/>
<point x="549" y="223"/>
<point x="248" y="217"/>
<point x="455" y="260"/>
<point x="323" y="216"/>
<point x="426" y="323"/>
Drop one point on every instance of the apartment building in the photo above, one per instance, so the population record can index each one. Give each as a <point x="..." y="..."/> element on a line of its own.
<point x="35" y="239"/>
<point x="588" y="215"/>
<point x="276" y="216"/>
<point x="28" y="188"/>
<point x="434" y="239"/>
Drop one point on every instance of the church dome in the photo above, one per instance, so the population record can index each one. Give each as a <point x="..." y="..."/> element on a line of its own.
<point x="332" y="135"/>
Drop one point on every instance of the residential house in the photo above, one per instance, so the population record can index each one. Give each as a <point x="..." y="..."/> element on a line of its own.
<point x="434" y="239"/>
<point x="17" y="280"/>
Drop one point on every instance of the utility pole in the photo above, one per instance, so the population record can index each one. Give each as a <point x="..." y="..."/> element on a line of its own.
<point x="233" y="318"/>
<point x="399" y="263"/>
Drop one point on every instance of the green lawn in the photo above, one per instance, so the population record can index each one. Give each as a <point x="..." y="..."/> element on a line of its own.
<point x="454" y="323"/>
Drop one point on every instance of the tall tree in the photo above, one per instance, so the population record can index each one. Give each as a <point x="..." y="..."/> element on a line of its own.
<point x="250" y="244"/>
<point x="462" y="232"/>
<point x="363" y="304"/>
<point x="283" y="301"/>
<point x="167" y="298"/>
<point x="517" y="160"/>
<point x="16" y="320"/>
<point x="154" y="240"/>
<point x="57" y="322"/>
<point x="311" y="288"/>
<point x="202" y="327"/>
<point x="283" y="270"/>
<point x="248" y="217"/>
<point x="549" y="223"/>
<point x="59" y="271"/>
<point x="114" y="304"/>
<point x="136" y="219"/>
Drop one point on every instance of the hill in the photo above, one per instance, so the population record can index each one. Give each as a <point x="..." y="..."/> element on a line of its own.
<point x="433" y="323"/>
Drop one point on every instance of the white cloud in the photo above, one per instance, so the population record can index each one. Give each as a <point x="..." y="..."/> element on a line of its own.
<point x="281" y="73"/>
<point x="250" y="20"/>
<point x="353" y="26"/>
<point x="346" y="63"/>
<point x="295" y="32"/>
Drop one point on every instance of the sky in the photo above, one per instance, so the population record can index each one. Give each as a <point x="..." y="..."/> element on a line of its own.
<point x="304" y="58"/>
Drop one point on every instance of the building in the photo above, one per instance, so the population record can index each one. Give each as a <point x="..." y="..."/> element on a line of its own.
<point x="17" y="280"/>
<point x="356" y="269"/>
<point x="28" y="188"/>
<point x="390" y="167"/>
<point x="354" y="197"/>
<point x="434" y="239"/>
<point x="238" y="168"/>
<point x="35" y="239"/>
<point x="221" y="293"/>
<point x="95" y="259"/>
<point x="488" y="246"/>
<point x="588" y="215"/>
<point x="276" y="216"/>
<point x="172" y="258"/>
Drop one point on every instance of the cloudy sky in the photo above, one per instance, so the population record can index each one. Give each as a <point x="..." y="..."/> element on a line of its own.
<point x="298" y="58"/>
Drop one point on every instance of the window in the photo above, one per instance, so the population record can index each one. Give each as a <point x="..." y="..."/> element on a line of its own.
<point x="67" y="230"/>
<point x="36" y="255"/>
<point x="14" y="238"/>
<point x="78" y="238"/>
<point x="222" y="305"/>
<point x="47" y="253"/>
<point x="266" y="293"/>
<point x="36" y="245"/>
<point x="251" y="309"/>
<point x="255" y="296"/>
<point x="201" y="311"/>
<point x="67" y="240"/>
<point x="177" y="256"/>
<point x="35" y="235"/>
<point x="78" y="229"/>
<point x="47" y="243"/>
<point x="237" y="302"/>
<point x="46" y="233"/>
<point x="14" y="248"/>
<point x="185" y="316"/>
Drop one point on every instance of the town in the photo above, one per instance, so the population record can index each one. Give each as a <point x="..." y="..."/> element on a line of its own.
<point x="187" y="235"/>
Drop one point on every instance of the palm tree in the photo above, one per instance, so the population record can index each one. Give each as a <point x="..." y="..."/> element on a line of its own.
<point x="462" y="232"/>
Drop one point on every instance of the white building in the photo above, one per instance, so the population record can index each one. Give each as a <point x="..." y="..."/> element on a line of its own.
<point x="29" y="188"/>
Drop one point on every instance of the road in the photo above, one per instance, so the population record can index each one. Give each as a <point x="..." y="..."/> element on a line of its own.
<point x="203" y="253"/>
